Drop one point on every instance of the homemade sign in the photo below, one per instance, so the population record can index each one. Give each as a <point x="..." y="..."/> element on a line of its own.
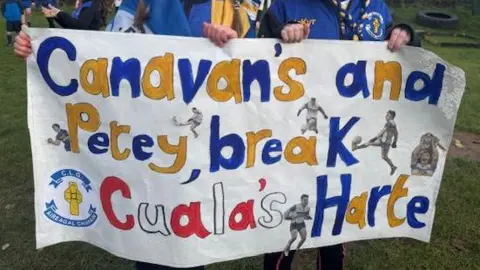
<point x="172" y="151"/>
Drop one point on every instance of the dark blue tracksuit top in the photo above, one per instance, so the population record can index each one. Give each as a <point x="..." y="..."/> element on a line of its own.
<point x="325" y="21"/>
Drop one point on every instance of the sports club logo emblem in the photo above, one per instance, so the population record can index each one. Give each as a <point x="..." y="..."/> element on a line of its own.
<point x="374" y="27"/>
<point x="73" y="202"/>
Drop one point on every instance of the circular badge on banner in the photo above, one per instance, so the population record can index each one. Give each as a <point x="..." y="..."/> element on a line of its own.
<point x="73" y="200"/>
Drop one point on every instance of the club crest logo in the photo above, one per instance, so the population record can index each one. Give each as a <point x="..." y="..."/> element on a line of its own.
<point x="375" y="25"/>
<point x="73" y="201"/>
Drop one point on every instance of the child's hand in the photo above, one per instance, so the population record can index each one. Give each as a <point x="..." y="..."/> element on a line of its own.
<point x="218" y="34"/>
<point x="398" y="38"/>
<point x="23" y="45"/>
<point x="50" y="12"/>
<point x="296" y="32"/>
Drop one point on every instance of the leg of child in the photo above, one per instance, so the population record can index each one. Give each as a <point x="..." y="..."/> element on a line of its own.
<point x="149" y="266"/>
<point x="331" y="257"/>
<point x="28" y="16"/>
<point x="51" y="22"/>
<point x="18" y="28"/>
<point x="10" y="29"/>
<point x="278" y="261"/>
<point x="9" y="39"/>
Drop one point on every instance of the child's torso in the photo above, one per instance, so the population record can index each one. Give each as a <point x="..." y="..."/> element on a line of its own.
<point x="197" y="12"/>
<point x="322" y="15"/>
<point x="184" y="17"/>
<point x="13" y="11"/>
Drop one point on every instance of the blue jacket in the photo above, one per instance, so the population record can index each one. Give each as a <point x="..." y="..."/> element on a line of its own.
<point x="199" y="11"/>
<point x="168" y="17"/>
<point x="12" y="10"/>
<point x="326" y="21"/>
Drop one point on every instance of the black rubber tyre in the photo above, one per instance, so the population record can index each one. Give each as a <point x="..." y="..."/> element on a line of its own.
<point x="437" y="19"/>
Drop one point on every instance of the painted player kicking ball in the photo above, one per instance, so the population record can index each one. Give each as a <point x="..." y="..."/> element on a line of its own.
<point x="312" y="112"/>
<point x="387" y="138"/>
<point x="298" y="214"/>
<point x="193" y="122"/>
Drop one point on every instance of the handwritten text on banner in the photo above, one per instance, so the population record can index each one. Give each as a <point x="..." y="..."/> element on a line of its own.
<point x="172" y="151"/>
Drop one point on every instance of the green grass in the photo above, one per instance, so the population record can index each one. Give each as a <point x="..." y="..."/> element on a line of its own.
<point x="453" y="39"/>
<point x="455" y="240"/>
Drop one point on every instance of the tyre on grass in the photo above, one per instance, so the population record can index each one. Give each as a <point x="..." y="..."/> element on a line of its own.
<point x="437" y="19"/>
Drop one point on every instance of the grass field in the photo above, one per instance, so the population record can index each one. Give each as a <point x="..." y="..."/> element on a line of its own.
<point x="456" y="234"/>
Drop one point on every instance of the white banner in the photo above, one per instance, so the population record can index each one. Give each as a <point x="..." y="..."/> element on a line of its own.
<point x="172" y="151"/>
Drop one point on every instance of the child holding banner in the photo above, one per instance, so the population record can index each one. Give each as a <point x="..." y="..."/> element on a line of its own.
<point x="12" y="11"/>
<point x="361" y="20"/>
<point x="326" y="19"/>
<point x="219" y="21"/>
<point x="88" y="15"/>
<point x="215" y="20"/>
<point x="27" y="6"/>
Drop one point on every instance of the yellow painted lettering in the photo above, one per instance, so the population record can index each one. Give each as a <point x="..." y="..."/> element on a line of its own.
<point x="164" y="66"/>
<point x="392" y="72"/>
<point x="180" y="152"/>
<point x="99" y="83"/>
<point x="75" y="121"/>
<point x="356" y="210"/>
<point x="252" y="139"/>
<point x="307" y="152"/>
<point x="115" y="131"/>
<point x="398" y="192"/>
<point x="296" y="88"/>
<point x="230" y="72"/>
